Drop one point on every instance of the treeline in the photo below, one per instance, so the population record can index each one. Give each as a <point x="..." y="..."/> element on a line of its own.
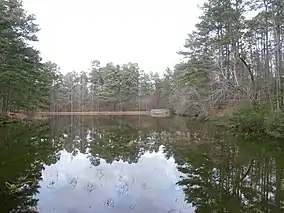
<point x="25" y="81"/>
<point x="28" y="84"/>
<point x="232" y="57"/>
<point x="235" y="55"/>
<point x="110" y="87"/>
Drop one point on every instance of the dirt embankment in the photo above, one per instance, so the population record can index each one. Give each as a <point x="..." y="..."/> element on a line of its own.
<point x="45" y="115"/>
<point x="93" y="113"/>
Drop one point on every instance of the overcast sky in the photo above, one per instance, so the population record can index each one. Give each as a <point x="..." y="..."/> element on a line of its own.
<point x="148" y="32"/>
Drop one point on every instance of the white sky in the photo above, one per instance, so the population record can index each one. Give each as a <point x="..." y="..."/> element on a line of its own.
<point x="148" y="32"/>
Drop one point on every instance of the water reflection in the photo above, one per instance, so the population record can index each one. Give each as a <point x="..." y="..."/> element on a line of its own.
<point x="74" y="185"/>
<point x="131" y="164"/>
<point x="243" y="174"/>
<point x="24" y="151"/>
<point x="113" y="165"/>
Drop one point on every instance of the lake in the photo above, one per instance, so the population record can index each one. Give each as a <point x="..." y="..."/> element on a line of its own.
<point x="137" y="164"/>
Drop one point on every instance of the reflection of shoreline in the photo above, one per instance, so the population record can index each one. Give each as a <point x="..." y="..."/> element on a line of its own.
<point x="138" y="122"/>
<point x="24" y="149"/>
<point x="122" y="183"/>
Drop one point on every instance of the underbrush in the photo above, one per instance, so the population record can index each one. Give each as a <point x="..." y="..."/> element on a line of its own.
<point x="5" y="120"/>
<point x="258" y="119"/>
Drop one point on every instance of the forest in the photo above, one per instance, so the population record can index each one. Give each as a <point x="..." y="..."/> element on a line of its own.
<point x="234" y="56"/>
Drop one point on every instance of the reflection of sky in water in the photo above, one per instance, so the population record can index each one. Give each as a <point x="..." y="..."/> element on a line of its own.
<point x="74" y="186"/>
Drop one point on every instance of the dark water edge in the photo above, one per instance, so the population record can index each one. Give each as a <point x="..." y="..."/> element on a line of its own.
<point x="137" y="164"/>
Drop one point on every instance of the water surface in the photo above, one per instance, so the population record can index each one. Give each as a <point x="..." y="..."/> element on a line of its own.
<point x="137" y="164"/>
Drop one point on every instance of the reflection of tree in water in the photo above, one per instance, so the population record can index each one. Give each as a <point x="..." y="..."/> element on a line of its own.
<point x="116" y="143"/>
<point x="72" y="132"/>
<point x="23" y="152"/>
<point x="112" y="138"/>
<point x="222" y="173"/>
<point x="229" y="175"/>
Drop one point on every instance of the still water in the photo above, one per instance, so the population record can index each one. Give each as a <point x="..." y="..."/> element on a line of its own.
<point x="137" y="164"/>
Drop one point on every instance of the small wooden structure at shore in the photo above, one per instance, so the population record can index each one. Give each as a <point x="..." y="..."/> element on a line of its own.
<point x="160" y="113"/>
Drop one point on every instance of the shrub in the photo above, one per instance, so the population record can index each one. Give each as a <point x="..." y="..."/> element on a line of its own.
<point x="274" y="124"/>
<point x="250" y="118"/>
<point x="259" y="119"/>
